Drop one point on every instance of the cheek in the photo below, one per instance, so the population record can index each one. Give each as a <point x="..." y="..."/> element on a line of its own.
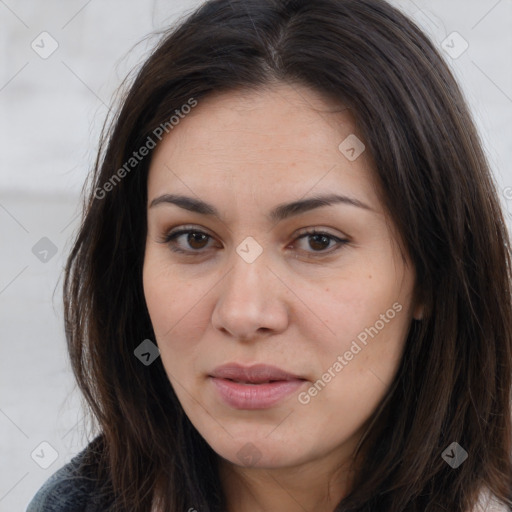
<point x="170" y="302"/>
<point x="177" y="309"/>
<point x="355" y="304"/>
<point x="368" y="316"/>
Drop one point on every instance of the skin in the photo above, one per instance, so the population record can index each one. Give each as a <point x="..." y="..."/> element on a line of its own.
<point x="298" y="306"/>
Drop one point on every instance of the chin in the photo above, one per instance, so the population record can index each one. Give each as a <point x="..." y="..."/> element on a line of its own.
<point x="258" y="453"/>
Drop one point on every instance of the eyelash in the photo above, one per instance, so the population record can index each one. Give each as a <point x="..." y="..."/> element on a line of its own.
<point x="170" y="238"/>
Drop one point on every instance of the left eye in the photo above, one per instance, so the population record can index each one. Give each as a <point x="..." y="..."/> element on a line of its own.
<point x="198" y="240"/>
<point x="320" y="241"/>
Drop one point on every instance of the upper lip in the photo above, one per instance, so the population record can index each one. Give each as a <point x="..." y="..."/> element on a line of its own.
<point x="254" y="374"/>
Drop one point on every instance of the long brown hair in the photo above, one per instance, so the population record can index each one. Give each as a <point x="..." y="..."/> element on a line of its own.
<point x="454" y="380"/>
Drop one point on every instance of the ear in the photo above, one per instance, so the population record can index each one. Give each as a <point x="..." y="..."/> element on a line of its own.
<point x="418" y="312"/>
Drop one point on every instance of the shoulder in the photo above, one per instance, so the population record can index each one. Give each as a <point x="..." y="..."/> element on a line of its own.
<point x="488" y="503"/>
<point x="68" y="490"/>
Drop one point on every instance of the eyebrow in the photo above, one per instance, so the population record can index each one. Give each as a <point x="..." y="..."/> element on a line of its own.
<point x="280" y="212"/>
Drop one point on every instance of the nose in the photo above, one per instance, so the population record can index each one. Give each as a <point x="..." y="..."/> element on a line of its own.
<point x="251" y="301"/>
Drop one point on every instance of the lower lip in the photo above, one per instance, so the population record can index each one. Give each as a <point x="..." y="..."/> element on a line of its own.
<point x="255" y="396"/>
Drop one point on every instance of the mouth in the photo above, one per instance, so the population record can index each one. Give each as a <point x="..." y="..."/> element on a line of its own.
<point x="257" y="383"/>
<point x="255" y="387"/>
<point x="256" y="374"/>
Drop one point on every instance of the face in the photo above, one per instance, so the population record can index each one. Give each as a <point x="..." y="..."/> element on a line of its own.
<point x="232" y="276"/>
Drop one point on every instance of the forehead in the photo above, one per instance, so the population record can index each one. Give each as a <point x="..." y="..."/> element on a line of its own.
<point x="280" y="140"/>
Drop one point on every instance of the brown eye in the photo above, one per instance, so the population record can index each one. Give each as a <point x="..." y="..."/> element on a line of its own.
<point x="197" y="240"/>
<point x="194" y="241"/>
<point x="319" y="241"/>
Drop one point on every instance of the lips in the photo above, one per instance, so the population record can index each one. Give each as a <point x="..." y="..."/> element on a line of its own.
<point x="255" y="387"/>
<point x="257" y="374"/>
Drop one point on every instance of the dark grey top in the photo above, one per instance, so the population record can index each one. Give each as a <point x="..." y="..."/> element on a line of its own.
<point x="67" y="491"/>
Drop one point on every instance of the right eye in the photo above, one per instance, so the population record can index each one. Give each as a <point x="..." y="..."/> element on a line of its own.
<point x="195" y="239"/>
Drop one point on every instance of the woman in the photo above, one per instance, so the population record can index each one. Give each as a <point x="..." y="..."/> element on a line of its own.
<point x="291" y="287"/>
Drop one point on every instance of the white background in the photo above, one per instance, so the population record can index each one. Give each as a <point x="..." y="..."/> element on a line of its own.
<point x="51" y="111"/>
